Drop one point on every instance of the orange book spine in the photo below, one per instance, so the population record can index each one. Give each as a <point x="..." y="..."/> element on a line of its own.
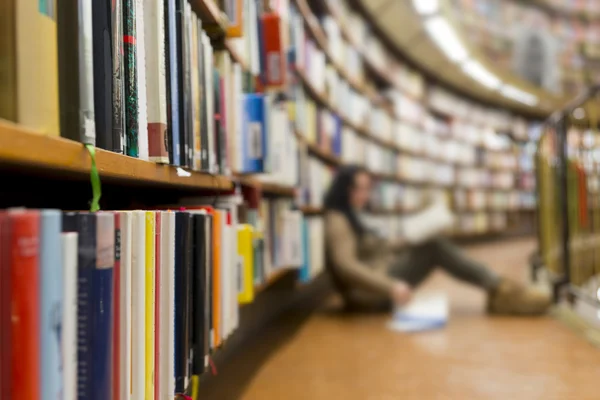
<point x="217" y="278"/>
<point x="25" y="310"/>
<point x="274" y="57"/>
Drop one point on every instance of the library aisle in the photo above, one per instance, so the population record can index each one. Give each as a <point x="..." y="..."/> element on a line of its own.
<point x="474" y="357"/>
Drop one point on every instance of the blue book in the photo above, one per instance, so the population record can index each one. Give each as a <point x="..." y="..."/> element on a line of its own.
<point x="51" y="304"/>
<point x="336" y="140"/>
<point x="304" y="275"/>
<point x="101" y="288"/>
<point x="171" y="69"/>
<point x="254" y="133"/>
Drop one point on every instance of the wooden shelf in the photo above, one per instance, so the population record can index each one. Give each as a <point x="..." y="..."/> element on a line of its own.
<point x="308" y="210"/>
<point x="52" y="156"/>
<point x="266" y="187"/>
<point x="214" y="21"/>
<point x="274" y="277"/>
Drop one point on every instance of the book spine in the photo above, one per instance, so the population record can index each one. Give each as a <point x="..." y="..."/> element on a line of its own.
<point x="25" y="310"/>
<point x="103" y="72"/>
<point x="157" y="302"/>
<point x="203" y="82"/>
<point x="198" y="292"/>
<point x="216" y="283"/>
<point x="102" y="310"/>
<point x="51" y="304"/>
<point x="164" y="340"/>
<point x="69" y="317"/>
<point x="181" y="66"/>
<point x="180" y="244"/>
<point x="138" y="303"/>
<point x="188" y="84"/>
<point x="196" y="92"/>
<point x="117" y="309"/>
<point x="125" y="305"/>
<point x="149" y="305"/>
<point x="156" y="81"/>
<point x="172" y="75"/>
<point x="5" y="293"/>
<point x="86" y="78"/>
<point x="188" y="305"/>
<point x="170" y="314"/>
<point x="208" y="289"/>
<point x="118" y="94"/>
<point x="131" y="78"/>
<point x="140" y="38"/>
<point x="254" y="127"/>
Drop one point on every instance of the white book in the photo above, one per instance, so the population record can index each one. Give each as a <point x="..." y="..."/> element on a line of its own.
<point x="156" y="84"/>
<point x="427" y="224"/>
<point x="141" y="78"/>
<point x="138" y="305"/>
<point x="167" y="306"/>
<point x="69" y="317"/>
<point x="209" y="97"/>
<point x="236" y="268"/>
<point x="239" y="117"/>
<point x="424" y="312"/>
<point x="86" y="74"/>
<point x="125" y="303"/>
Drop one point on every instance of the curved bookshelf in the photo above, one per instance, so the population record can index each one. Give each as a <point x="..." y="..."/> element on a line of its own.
<point x="25" y="149"/>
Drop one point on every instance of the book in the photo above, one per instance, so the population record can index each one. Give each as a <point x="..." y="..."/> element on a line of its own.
<point x="206" y="141"/>
<point x="28" y="48"/>
<point x="149" y="324"/>
<point x="51" y="304"/>
<point x="424" y="312"/>
<point x="254" y="133"/>
<point x="156" y="80"/>
<point x="172" y="77"/>
<point x="125" y="303"/>
<point x="158" y="266"/>
<point x="76" y="71"/>
<point x="245" y="234"/>
<point x="166" y="337"/>
<point x="196" y="91"/>
<point x="118" y="92"/>
<point x="103" y="72"/>
<point x="138" y="305"/>
<point x="199" y="289"/>
<point x="182" y="79"/>
<point x="101" y="285"/>
<point x="25" y="304"/>
<point x="140" y="40"/>
<point x="5" y="296"/>
<point x="274" y="58"/>
<point x="131" y="78"/>
<point x="69" y="317"/>
<point x="422" y="226"/>
<point x="118" y="305"/>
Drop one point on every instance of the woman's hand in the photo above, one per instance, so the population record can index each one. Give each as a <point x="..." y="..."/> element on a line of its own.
<point x="401" y="293"/>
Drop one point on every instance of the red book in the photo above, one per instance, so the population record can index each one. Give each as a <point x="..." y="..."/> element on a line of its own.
<point x="157" y="228"/>
<point x="25" y="309"/>
<point x="5" y="347"/>
<point x="116" y="351"/>
<point x="274" y="57"/>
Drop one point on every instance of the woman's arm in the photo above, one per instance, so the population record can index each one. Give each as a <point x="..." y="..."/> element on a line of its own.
<point x="341" y="244"/>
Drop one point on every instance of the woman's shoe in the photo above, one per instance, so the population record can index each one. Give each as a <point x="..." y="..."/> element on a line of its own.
<point x="512" y="298"/>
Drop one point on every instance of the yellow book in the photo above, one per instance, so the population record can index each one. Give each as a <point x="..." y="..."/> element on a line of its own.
<point x="245" y="253"/>
<point x="29" y="72"/>
<point x="149" y="320"/>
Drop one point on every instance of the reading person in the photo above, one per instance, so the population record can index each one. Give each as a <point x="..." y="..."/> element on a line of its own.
<point x="372" y="272"/>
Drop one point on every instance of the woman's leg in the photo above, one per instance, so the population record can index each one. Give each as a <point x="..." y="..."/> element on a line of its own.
<point x="414" y="265"/>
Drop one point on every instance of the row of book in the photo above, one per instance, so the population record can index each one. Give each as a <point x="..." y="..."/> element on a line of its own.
<point x="473" y="200"/>
<point x="131" y="304"/>
<point x="480" y="222"/>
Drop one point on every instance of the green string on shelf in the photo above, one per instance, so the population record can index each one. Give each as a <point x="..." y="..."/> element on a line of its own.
<point x="95" y="179"/>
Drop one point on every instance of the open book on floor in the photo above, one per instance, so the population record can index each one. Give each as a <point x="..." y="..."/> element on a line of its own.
<point x="424" y="312"/>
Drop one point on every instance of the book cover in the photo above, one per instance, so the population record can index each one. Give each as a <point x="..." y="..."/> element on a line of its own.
<point x="51" y="303"/>
<point x="118" y="99"/>
<point x="131" y="78"/>
<point x="101" y="285"/>
<point x="29" y="76"/>
<point x="254" y="133"/>
<point x="156" y="81"/>
<point x="140" y="41"/>
<point x="157" y="301"/>
<point x="138" y="305"/>
<point x="25" y="304"/>
<point x="103" y="72"/>
<point x="245" y="234"/>
<point x="85" y="225"/>
<point x="117" y="310"/>
<point x="172" y="79"/>
<point x="5" y="293"/>
<point x="149" y="304"/>
<point x="274" y="59"/>
<point x="166" y="338"/>
<point x="183" y="284"/>
<point x="76" y="71"/>
<point x="69" y="317"/>
<point x="125" y="300"/>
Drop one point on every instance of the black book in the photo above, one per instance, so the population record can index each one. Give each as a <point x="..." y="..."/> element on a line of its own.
<point x="181" y="73"/>
<point x="103" y="72"/>
<point x="199" y="292"/>
<point x="204" y="142"/>
<point x="183" y="285"/>
<point x="85" y="225"/>
<point x="208" y="292"/>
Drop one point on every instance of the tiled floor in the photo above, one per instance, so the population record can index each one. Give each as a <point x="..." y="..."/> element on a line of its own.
<point x="332" y="356"/>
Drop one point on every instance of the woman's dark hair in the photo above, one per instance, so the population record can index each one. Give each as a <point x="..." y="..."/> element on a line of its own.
<point x="337" y="197"/>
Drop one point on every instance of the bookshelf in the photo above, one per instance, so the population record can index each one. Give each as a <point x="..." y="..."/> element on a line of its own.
<point x="25" y="149"/>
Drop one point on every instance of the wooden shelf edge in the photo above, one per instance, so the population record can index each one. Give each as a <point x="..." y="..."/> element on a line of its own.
<point x="271" y="279"/>
<point x="24" y="148"/>
<point x="266" y="187"/>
